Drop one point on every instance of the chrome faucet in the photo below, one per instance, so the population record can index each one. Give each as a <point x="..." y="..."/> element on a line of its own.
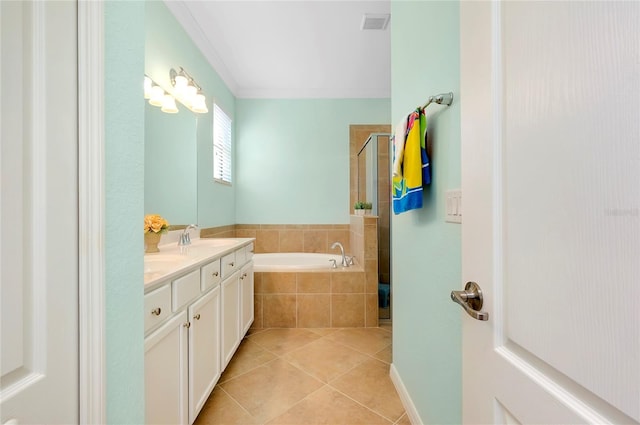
<point x="185" y="239"/>
<point x="345" y="263"/>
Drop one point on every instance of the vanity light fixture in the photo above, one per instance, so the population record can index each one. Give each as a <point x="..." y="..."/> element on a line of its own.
<point x="187" y="91"/>
<point x="169" y="105"/>
<point x="158" y="97"/>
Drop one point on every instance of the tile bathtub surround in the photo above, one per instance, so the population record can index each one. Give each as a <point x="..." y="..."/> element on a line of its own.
<point x="296" y="237"/>
<point x="287" y="237"/>
<point x="295" y="300"/>
<point x="364" y="240"/>
<point x="333" y="299"/>
<point x="308" y="376"/>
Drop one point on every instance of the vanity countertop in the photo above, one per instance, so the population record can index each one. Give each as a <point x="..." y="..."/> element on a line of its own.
<point x="174" y="260"/>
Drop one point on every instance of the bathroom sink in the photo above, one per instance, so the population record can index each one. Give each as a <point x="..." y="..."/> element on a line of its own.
<point x="157" y="263"/>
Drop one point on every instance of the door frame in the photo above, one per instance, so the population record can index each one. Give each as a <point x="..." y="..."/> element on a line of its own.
<point x="91" y="209"/>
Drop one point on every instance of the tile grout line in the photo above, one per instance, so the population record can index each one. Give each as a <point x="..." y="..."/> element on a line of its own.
<point x="328" y="385"/>
<point x="235" y="401"/>
<point x="363" y="405"/>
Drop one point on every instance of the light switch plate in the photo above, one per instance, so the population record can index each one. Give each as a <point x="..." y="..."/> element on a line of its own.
<point x="453" y="205"/>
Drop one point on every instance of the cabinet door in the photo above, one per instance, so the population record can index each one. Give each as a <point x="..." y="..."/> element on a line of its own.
<point x="230" y="317"/>
<point x="204" y="350"/>
<point x="165" y="373"/>
<point x="246" y="298"/>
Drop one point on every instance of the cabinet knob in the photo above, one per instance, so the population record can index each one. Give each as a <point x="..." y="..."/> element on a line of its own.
<point x="214" y="274"/>
<point x="197" y="316"/>
<point x="232" y="264"/>
<point x="244" y="275"/>
<point x="156" y="311"/>
<point x="187" y="325"/>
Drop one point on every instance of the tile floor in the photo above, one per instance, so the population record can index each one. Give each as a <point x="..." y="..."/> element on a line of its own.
<point x="308" y="376"/>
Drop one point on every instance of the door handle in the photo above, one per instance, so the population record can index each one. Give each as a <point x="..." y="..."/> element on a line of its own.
<point x="471" y="300"/>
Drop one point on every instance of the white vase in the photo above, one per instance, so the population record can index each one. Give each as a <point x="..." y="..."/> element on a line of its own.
<point x="359" y="212"/>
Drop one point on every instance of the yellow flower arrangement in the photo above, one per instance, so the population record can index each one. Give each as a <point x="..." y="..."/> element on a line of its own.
<point x="155" y="223"/>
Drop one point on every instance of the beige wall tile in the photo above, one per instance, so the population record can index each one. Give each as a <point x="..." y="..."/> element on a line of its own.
<point x="371" y="310"/>
<point x="279" y="283"/>
<point x="347" y="310"/>
<point x="291" y="240"/>
<point x="370" y="242"/>
<point x="246" y="233"/>
<point x="267" y="241"/>
<point x="247" y="226"/>
<point x="347" y="282"/>
<point x="371" y="283"/>
<point x="341" y="236"/>
<point x="257" y="282"/>
<point x="314" y="311"/>
<point x="257" y="312"/>
<point x="314" y="283"/>
<point x="279" y="311"/>
<point x="315" y="241"/>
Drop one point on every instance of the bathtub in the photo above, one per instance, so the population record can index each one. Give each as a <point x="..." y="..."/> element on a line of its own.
<point x="292" y="261"/>
<point x="301" y="290"/>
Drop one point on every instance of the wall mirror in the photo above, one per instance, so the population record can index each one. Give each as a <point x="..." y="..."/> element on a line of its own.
<point x="368" y="172"/>
<point x="170" y="165"/>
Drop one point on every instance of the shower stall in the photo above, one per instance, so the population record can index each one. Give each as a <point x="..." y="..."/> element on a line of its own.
<point x="374" y="185"/>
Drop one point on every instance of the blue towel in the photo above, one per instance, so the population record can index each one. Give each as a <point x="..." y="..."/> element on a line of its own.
<point x="415" y="172"/>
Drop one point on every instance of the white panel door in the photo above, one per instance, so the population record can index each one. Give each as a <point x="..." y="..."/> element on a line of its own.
<point x="550" y="96"/>
<point x="204" y="350"/>
<point x="38" y="212"/>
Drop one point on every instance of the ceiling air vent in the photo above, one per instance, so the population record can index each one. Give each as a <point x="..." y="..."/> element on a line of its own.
<point x="374" y="21"/>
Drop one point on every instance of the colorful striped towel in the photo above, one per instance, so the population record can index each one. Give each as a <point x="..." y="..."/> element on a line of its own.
<point x="414" y="172"/>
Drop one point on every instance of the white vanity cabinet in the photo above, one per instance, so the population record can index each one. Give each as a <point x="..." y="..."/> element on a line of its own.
<point x="204" y="350"/>
<point x="246" y="297"/>
<point x="166" y="373"/>
<point x="230" y="317"/>
<point x="194" y="322"/>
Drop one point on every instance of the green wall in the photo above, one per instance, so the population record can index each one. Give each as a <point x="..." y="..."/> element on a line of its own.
<point x="294" y="158"/>
<point x="168" y="46"/>
<point x="124" y="190"/>
<point x="426" y="257"/>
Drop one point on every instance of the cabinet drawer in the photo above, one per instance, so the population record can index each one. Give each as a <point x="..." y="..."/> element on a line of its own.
<point x="228" y="264"/>
<point x="210" y="275"/>
<point x="157" y="307"/>
<point x="248" y="252"/>
<point x="185" y="289"/>
<point x="240" y="257"/>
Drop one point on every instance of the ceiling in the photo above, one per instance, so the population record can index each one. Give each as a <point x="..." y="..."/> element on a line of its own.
<point x="291" y="49"/>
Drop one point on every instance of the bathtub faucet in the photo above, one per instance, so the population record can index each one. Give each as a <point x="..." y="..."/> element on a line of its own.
<point x="345" y="263"/>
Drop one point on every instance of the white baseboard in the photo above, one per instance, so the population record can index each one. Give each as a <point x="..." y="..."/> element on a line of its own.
<point x="409" y="407"/>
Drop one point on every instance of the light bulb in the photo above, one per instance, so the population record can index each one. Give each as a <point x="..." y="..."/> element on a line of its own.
<point x="169" y="104"/>
<point x="189" y="92"/>
<point x="180" y="82"/>
<point x="199" y="104"/>
<point x="157" y="96"/>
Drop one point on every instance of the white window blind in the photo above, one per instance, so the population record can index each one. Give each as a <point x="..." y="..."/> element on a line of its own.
<point x="221" y="145"/>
